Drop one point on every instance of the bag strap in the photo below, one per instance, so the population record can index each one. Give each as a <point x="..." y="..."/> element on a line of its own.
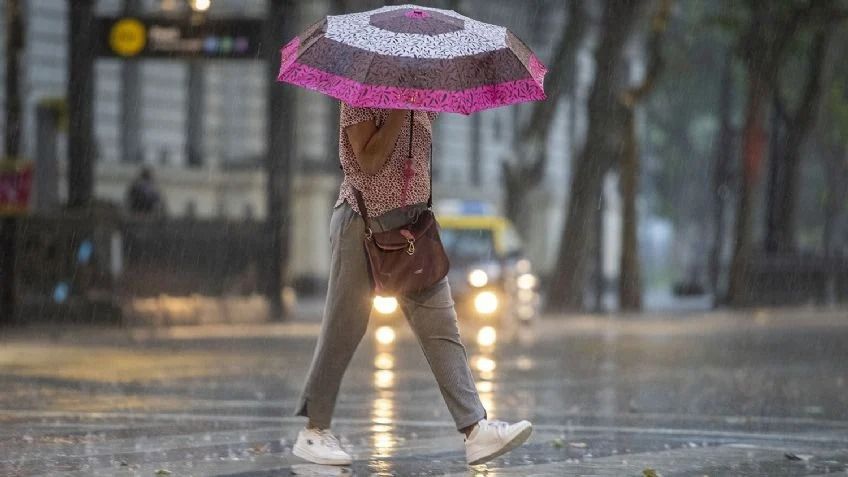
<point x="430" y="199"/>
<point x="360" y="201"/>
<point x="409" y="156"/>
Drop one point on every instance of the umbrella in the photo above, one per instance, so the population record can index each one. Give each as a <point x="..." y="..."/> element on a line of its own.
<point x="411" y="57"/>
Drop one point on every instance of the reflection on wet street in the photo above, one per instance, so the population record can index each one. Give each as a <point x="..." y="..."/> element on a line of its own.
<point x="384" y="440"/>
<point x="759" y="393"/>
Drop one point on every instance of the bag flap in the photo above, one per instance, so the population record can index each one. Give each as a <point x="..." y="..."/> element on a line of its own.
<point x="397" y="239"/>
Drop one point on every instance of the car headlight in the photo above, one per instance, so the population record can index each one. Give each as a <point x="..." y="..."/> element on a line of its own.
<point x="385" y="304"/>
<point x="478" y="278"/>
<point x="527" y="281"/>
<point x="486" y="302"/>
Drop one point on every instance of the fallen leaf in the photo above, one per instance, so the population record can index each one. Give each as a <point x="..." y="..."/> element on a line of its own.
<point x="163" y="472"/>
<point x="259" y="449"/>
<point x="558" y="443"/>
<point x="650" y="473"/>
<point x="803" y="457"/>
<point x="58" y="440"/>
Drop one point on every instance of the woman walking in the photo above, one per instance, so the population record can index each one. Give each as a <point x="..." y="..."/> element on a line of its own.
<point x="395" y="187"/>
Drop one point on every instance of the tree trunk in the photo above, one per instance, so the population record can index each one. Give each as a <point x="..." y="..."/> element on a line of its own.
<point x="798" y="127"/>
<point x="722" y="176"/>
<point x="776" y="165"/>
<point x="836" y="173"/>
<point x="753" y="146"/>
<point x="630" y="280"/>
<point x="565" y="289"/>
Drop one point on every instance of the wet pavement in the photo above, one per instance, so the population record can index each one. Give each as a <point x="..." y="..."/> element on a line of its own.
<point x="761" y="393"/>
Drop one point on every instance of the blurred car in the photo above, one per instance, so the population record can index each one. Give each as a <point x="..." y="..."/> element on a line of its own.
<point x="491" y="279"/>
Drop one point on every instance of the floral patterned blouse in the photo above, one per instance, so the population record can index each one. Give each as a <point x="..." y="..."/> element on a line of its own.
<point x="401" y="181"/>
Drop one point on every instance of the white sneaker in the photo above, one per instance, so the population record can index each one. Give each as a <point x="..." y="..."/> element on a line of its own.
<point x="491" y="439"/>
<point x="320" y="446"/>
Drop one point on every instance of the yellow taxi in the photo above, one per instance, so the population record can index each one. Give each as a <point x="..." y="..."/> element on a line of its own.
<point x="491" y="279"/>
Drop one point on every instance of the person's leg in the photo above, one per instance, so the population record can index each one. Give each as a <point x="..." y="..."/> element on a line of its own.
<point x="432" y="316"/>
<point x="345" y="318"/>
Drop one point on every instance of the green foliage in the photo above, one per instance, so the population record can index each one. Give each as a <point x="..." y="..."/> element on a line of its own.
<point x="793" y="72"/>
<point x="826" y="152"/>
<point x="836" y="112"/>
<point x="682" y="114"/>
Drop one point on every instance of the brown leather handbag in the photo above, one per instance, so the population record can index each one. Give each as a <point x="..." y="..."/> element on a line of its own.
<point x="409" y="258"/>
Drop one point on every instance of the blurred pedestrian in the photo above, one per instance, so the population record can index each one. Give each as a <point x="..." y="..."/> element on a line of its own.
<point x="143" y="196"/>
<point x="395" y="184"/>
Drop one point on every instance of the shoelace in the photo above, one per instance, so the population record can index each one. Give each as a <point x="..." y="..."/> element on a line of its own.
<point x="500" y="427"/>
<point x="329" y="440"/>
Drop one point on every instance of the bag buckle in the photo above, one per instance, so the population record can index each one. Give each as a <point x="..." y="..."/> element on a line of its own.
<point x="410" y="239"/>
<point x="368" y="233"/>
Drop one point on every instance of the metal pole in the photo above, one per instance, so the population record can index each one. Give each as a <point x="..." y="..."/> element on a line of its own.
<point x="278" y="29"/>
<point x="46" y="159"/>
<point x="476" y="150"/>
<point x="12" y="142"/>
<point x="195" y="116"/>
<point x="80" y="97"/>
<point x="131" y="99"/>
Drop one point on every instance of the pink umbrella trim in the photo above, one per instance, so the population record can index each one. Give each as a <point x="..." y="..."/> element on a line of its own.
<point x="289" y="54"/>
<point x="391" y="97"/>
<point x="537" y="69"/>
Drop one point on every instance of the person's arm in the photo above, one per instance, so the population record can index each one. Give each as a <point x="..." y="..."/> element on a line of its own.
<point x="372" y="145"/>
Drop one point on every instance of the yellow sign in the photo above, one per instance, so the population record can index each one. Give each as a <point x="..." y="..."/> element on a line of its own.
<point x="128" y="37"/>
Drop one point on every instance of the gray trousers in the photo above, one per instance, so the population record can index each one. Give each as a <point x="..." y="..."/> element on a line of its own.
<point x="430" y="313"/>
